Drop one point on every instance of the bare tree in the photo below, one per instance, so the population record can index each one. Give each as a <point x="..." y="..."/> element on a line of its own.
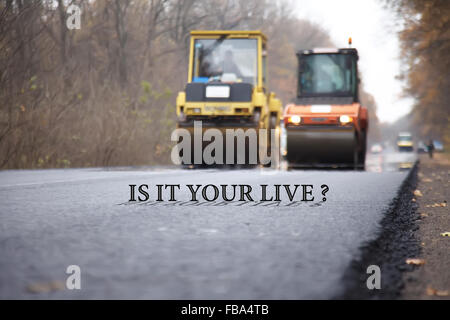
<point x="105" y="95"/>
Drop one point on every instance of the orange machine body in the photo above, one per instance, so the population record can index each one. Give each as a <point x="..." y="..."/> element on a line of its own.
<point x="327" y="115"/>
<point x="326" y="124"/>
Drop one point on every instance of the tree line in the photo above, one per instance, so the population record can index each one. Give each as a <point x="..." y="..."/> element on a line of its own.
<point x="425" y="41"/>
<point x="104" y="95"/>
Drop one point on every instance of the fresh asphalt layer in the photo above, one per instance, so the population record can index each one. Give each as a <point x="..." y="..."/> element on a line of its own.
<point x="50" y="219"/>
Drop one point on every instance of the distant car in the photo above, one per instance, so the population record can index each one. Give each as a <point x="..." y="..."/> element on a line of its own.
<point x="438" y="146"/>
<point x="376" y="148"/>
<point x="421" y="147"/>
<point x="405" y="142"/>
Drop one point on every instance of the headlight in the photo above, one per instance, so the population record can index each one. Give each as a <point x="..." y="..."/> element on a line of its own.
<point x="217" y="91"/>
<point x="295" y="119"/>
<point x="345" y="119"/>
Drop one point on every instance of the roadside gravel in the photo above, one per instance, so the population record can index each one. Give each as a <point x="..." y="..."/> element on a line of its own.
<point x="431" y="280"/>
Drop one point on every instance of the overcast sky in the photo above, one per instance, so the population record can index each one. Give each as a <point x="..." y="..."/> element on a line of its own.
<point x="374" y="34"/>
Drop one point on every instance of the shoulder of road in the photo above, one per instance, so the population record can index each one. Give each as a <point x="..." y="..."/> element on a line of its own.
<point x="430" y="278"/>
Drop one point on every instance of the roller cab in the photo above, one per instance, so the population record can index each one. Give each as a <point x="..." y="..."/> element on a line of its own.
<point x="326" y="125"/>
<point x="226" y="87"/>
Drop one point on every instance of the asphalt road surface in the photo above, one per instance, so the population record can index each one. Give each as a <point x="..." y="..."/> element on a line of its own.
<point x="51" y="219"/>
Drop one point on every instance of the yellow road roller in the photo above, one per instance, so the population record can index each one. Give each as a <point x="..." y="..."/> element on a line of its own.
<point x="227" y="91"/>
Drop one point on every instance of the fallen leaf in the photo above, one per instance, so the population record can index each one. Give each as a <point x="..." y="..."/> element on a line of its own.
<point x="45" y="287"/>
<point x="57" y="285"/>
<point x="427" y="180"/>
<point x="38" y="288"/>
<point x="417" y="193"/>
<point x="415" y="261"/>
<point x="434" y="292"/>
<point x="442" y="293"/>
<point x="445" y="234"/>
<point x="436" y="205"/>
<point x="430" y="291"/>
<point x="424" y="215"/>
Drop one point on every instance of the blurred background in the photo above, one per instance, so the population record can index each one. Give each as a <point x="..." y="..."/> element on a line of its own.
<point x="104" y="95"/>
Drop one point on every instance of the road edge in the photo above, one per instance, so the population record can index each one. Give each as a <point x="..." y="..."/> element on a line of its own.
<point x="396" y="241"/>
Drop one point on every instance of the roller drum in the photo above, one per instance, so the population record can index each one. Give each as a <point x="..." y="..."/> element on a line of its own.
<point x="311" y="146"/>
